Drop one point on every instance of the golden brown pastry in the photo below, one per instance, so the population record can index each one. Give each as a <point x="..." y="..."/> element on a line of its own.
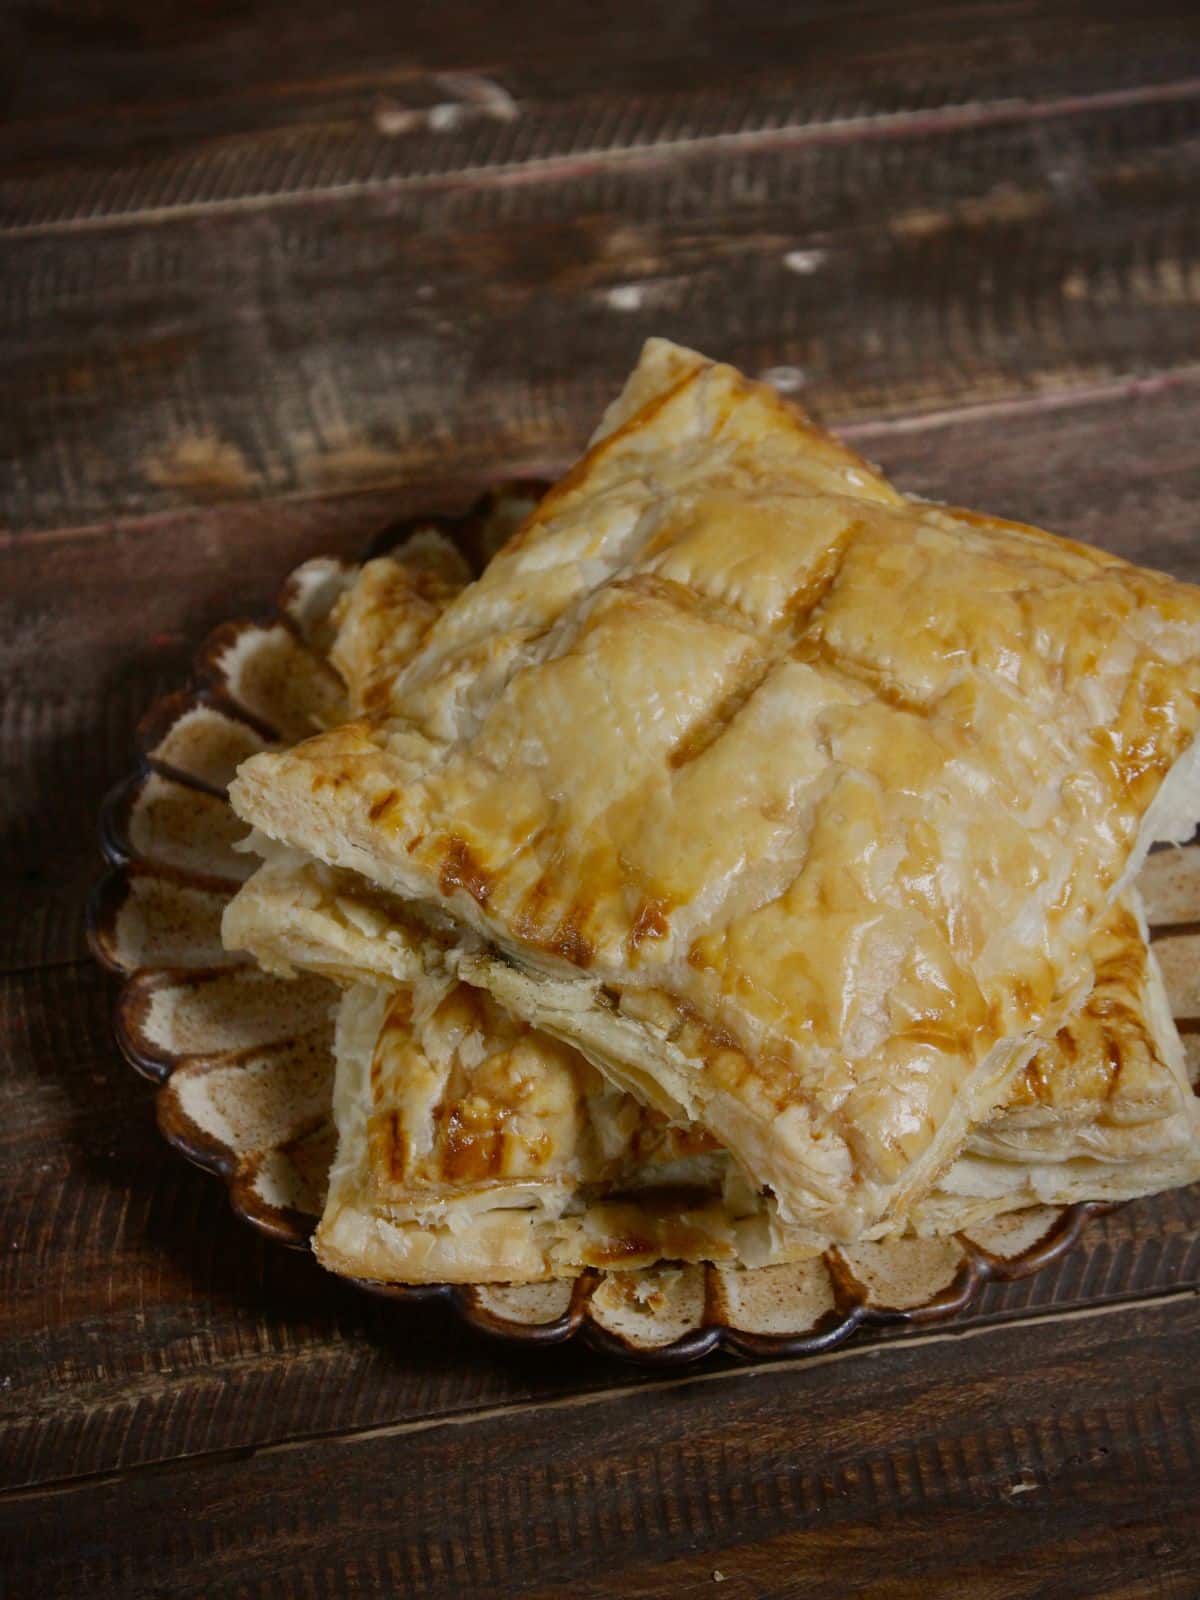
<point x="791" y="801"/>
<point x="473" y="1148"/>
<point x="513" y="1159"/>
<point x="382" y="618"/>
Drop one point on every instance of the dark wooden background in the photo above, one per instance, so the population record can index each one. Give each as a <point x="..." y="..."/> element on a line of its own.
<point x="272" y="273"/>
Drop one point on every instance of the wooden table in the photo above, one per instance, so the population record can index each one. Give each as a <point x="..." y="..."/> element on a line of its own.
<point x="274" y="273"/>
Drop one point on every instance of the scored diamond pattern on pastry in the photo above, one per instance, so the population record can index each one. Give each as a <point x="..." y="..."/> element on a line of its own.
<point x="256" y="1108"/>
<point x="792" y="802"/>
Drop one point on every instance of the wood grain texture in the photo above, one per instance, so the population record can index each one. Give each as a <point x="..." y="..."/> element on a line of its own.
<point x="272" y="275"/>
<point x="324" y="307"/>
<point x="124" y="77"/>
<point x="931" y="1469"/>
<point x="479" y="135"/>
<point x="127" y="1283"/>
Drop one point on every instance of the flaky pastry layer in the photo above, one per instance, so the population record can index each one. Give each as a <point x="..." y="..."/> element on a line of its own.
<point x="474" y="1148"/>
<point x="788" y="800"/>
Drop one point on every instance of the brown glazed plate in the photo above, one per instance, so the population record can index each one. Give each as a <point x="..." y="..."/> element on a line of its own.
<point x="244" y="1059"/>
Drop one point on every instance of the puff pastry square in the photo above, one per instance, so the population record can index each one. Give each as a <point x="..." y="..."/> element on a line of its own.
<point x="473" y="1148"/>
<point x="792" y="802"/>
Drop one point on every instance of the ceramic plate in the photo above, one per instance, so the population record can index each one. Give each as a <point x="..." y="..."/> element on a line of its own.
<point x="245" y="1060"/>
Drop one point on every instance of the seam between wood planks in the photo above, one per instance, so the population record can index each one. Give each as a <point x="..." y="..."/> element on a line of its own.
<point x="55" y="1487"/>
<point x="1129" y="388"/>
<point x="882" y="125"/>
<point x="28" y="969"/>
<point x="1086" y="394"/>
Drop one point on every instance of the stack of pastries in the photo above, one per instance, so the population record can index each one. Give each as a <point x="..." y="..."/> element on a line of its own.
<point x="742" y="863"/>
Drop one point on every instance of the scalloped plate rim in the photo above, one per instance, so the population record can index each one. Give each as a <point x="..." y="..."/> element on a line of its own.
<point x="291" y="1228"/>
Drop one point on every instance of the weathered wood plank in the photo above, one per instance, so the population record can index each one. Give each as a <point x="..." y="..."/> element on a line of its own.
<point x="361" y="247"/>
<point x="484" y="137"/>
<point x="368" y="335"/>
<point x="140" y="1320"/>
<point x="137" y="80"/>
<point x="997" y="1465"/>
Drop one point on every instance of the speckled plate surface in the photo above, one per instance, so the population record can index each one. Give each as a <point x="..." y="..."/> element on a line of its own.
<point x="245" y="1059"/>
